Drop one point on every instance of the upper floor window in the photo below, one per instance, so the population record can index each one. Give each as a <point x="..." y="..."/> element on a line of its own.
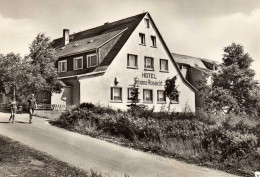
<point x="153" y="39"/>
<point x="161" y="97"/>
<point x="132" y="61"/>
<point x="164" y="65"/>
<point x="92" y="60"/>
<point x="78" y="63"/>
<point x="142" y="38"/>
<point x="148" y="95"/>
<point x="148" y="63"/>
<point x="147" y="23"/>
<point x="62" y="66"/>
<point x="116" y="94"/>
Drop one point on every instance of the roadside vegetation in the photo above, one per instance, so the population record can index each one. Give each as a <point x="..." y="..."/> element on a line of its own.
<point x="227" y="142"/>
<point x="20" y="160"/>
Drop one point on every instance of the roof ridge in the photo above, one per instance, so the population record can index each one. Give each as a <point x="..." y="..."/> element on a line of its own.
<point x="103" y="25"/>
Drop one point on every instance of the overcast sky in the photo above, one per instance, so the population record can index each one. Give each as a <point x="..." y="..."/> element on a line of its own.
<point x="200" y="28"/>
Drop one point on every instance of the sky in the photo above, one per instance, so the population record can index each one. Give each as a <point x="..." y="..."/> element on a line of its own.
<point x="199" y="28"/>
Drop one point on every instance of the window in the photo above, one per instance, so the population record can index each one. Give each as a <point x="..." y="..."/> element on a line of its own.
<point x="163" y="65"/>
<point x="147" y="23"/>
<point x="148" y="63"/>
<point x="148" y="95"/>
<point x="132" y="61"/>
<point x="176" y="100"/>
<point x="132" y="92"/>
<point x="161" y="97"/>
<point x="142" y="38"/>
<point x="153" y="38"/>
<point x="180" y="66"/>
<point x="78" y="63"/>
<point x="116" y="94"/>
<point x="62" y="66"/>
<point x="92" y="60"/>
<point x="190" y="70"/>
<point x="45" y="95"/>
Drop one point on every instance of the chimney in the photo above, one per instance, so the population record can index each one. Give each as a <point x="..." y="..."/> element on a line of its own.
<point x="66" y="36"/>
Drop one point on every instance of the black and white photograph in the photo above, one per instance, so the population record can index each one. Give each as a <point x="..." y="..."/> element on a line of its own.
<point x="129" y="88"/>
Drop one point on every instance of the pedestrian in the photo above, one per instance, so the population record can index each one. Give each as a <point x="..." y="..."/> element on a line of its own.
<point x="32" y="106"/>
<point x="13" y="109"/>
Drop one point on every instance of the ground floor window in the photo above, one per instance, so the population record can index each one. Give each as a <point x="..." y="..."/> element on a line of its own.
<point x="132" y="93"/>
<point x="161" y="97"/>
<point x="148" y="95"/>
<point x="175" y="101"/>
<point x="116" y="94"/>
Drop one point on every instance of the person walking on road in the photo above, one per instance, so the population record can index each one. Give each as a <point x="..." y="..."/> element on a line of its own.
<point x="32" y="106"/>
<point x="13" y="109"/>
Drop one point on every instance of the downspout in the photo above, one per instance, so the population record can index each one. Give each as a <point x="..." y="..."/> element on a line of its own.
<point x="79" y="88"/>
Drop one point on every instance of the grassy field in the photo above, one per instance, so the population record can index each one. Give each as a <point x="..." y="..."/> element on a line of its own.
<point x="20" y="160"/>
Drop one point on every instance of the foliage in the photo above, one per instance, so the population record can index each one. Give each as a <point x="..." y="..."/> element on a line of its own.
<point x="34" y="74"/>
<point x="234" y="88"/>
<point x="134" y="95"/>
<point x="202" y="138"/>
<point x="171" y="89"/>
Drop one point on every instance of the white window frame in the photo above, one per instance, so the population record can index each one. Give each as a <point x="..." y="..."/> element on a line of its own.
<point x="136" y="61"/>
<point x="60" y="66"/>
<point x="161" y="65"/>
<point x="147" y="101"/>
<point x="142" y="38"/>
<point x="90" y="55"/>
<point x="145" y="64"/>
<point x="75" y="63"/>
<point x="164" y="97"/>
<point x="154" y="44"/>
<point x="112" y="94"/>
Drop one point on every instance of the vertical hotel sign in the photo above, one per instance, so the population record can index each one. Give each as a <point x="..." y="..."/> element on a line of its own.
<point x="149" y="79"/>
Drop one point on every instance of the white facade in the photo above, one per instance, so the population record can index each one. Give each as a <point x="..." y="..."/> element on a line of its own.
<point x="97" y="88"/>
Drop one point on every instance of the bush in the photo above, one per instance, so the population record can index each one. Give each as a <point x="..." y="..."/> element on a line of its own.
<point x="204" y="137"/>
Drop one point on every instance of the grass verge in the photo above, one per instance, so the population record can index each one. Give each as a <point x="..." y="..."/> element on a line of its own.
<point x="20" y="160"/>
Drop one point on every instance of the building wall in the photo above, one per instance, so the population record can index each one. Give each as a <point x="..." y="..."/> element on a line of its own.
<point x="97" y="89"/>
<point x="63" y="98"/>
<point x="75" y="90"/>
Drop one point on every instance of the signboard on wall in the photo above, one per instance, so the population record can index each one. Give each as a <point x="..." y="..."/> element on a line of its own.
<point x="149" y="79"/>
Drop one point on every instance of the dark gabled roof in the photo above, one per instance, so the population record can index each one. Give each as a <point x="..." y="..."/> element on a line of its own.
<point x="86" y="44"/>
<point x="100" y="34"/>
<point x="194" y="61"/>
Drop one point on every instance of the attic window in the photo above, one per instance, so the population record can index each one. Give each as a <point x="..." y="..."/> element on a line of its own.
<point x="147" y="23"/>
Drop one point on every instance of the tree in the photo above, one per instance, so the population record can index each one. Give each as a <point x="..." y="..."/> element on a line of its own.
<point x="43" y="75"/>
<point x="234" y="88"/>
<point x="11" y="74"/>
<point x="171" y="90"/>
<point x="33" y="74"/>
<point x="134" y="94"/>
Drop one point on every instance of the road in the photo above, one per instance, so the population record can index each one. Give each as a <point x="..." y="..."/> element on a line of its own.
<point x="89" y="153"/>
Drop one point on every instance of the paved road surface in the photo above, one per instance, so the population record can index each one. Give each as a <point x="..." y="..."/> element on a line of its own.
<point x="90" y="153"/>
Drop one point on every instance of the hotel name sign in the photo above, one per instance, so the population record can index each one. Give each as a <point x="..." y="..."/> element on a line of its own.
<point x="149" y="79"/>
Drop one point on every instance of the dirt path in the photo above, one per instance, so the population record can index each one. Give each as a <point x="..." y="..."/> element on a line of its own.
<point x="90" y="153"/>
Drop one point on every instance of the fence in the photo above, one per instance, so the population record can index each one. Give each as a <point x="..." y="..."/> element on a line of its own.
<point x="51" y="111"/>
<point x="55" y="107"/>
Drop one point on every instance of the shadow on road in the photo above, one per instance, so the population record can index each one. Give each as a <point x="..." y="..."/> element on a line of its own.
<point x="4" y="122"/>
